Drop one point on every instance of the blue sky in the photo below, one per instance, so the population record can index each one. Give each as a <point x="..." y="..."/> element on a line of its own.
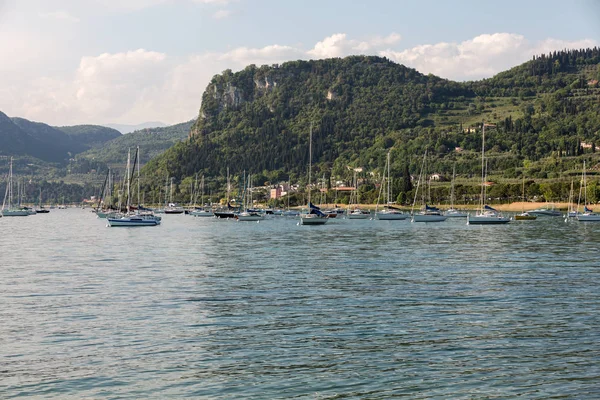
<point x="130" y="61"/>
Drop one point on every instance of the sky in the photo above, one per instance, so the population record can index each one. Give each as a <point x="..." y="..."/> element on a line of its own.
<point x="66" y="62"/>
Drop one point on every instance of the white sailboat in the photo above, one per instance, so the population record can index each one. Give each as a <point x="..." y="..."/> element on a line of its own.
<point x="486" y="215"/>
<point x="389" y="212"/>
<point x="587" y="215"/>
<point x="314" y="215"/>
<point x="8" y="210"/>
<point x="203" y="211"/>
<point x="136" y="218"/>
<point x="249" y="214"/>
<point x="452" y="212"/>
<point x="427" y="213"/>
<point x="356" y="212"/>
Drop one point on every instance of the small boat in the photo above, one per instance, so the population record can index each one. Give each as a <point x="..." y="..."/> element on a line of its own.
<point x="250" y="216"/>
<point x="41" y="209"/>
<point x="174" y="208"/>
<point x="389" y="212"/>
<point x="202" y="212"/>
<point x="291" y="213"/>
<point x="545" y="212"/>
<point x="429" y="214"/>
<point x="588" y="215"/>
<point x="7" y="208"/>
<point x="357" y="213"/>
<point x="486" y="215"/>
<point x="140" y="217"/>
<point x="452" y="212"/>
<point x="330" y="213"/>
<point x="524" y="216"/>
<point x="314" y="216"/>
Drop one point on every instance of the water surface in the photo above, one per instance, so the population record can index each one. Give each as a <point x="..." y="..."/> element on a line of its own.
<point x="354" y="309"/>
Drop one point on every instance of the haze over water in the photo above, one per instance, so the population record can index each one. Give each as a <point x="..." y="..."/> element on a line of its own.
<point x="353" y="309"/>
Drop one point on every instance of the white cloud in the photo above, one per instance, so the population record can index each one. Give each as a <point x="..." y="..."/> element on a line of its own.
<point x="220" y="14"/>
<point x="338" y="45"/>
<point x="480" y="57"/>
<point x="59" y="15"/>
<point x="142" y="85"/>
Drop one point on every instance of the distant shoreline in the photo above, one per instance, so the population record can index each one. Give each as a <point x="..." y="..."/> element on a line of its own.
<point x="511" y="207"/>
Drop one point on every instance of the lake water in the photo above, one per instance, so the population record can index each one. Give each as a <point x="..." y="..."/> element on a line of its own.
<point x="354" y="309"/>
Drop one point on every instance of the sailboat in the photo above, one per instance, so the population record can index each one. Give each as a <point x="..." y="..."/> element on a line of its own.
<point x="8" y="210"/>
<point x="587" y="215"/>
<point x="173" y="208"/>
<point x="203" y="211"/>
<point x="314" y="216"/>
<point x="289" y="212"/>
<point x="249" y="214"/>
<point x="524" y="216"/>
<point x="229" y="211"/>
<point x="389" y="212"/>
<point x="41" y="209"/>
<point x="357" y="212"/>
<point x="427" y="213"/>
<point x="130" y="218"/>
<point x="486" y="215"/>
<point x="452" y="212"/>
<point x="571" y="211"/>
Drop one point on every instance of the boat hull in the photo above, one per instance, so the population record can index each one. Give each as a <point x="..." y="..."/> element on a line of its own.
<point x="309" y="220"/>
<point x="359" y="216"/>
<point x="484" y="220"/>
<point x="15" y="213"/>
<point x="391" y="216"/>
<point x="456" y="214"/>
<point x="428" y="218"/>
<point x="525" y="217"/>
<point x="113" y="222"/>
<point x="545" y="213"/>
<point x="589" y="217"/>
<point x="225" y="214"/>
<point x="202" y="214"/>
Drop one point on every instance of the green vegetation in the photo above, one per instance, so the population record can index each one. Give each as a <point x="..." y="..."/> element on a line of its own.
<point x="546" y="113"/>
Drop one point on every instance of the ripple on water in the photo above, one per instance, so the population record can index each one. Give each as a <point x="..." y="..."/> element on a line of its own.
<point x="354" y="309"/>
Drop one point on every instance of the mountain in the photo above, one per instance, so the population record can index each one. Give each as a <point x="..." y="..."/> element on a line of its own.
<point x="152" y="142"/>
<point x="124" y="128"/>
<point x="14" y="140"/>
<point x="21" y="137"/>
<point x="90" y="135"/>
<point x="546" y="113"/>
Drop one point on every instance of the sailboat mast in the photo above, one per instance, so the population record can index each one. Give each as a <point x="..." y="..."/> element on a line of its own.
<point x="389" y="182"/>
<point x="452" y="189"/>
<point x="309" y="160"/>
<point x="137" y="156"/>
<point x="128" y="177"/>
<point x="585" y="187"/>
<point x="482" y="167"/>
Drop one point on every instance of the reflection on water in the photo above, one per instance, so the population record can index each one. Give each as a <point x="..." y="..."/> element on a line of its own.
<point x="207" y="308"/>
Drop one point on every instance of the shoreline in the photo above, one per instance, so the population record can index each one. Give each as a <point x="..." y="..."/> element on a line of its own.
<point x="518" y="206"/>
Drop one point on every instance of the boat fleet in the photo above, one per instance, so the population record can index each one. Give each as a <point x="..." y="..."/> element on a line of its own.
<point x="130" y="215"/>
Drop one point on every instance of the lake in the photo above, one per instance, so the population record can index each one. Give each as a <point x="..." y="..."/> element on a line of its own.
<point x="206" y="308"/>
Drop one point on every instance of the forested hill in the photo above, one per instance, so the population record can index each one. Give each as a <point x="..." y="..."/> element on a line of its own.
<point x="21" y="137"/>
<point x="152" y="142"/>
<point x="258" y="119"/>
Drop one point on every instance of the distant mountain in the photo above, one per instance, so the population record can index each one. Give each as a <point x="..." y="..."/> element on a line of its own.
<point x="21" y="137"/>
<point x="14" y="140"/>
<point x="90" y="135"/>
<point x="152" y="142"/>
<point x="125" y="128"/>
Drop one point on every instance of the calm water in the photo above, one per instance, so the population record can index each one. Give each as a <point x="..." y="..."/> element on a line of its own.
<point x="353" y="309"/>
